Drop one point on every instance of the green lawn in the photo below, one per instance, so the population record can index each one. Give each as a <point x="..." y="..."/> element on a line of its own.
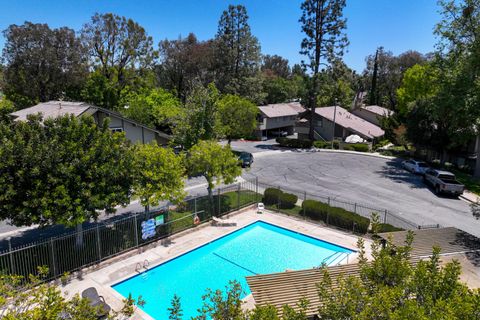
<point x="295" y="211"/>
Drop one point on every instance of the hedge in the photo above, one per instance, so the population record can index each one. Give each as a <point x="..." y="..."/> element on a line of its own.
<point x="360" y="147"/>
<point x="294" y="143"/>
<point x="287" y="200"/>
<point x="271" y="196"/>
<point x="274" y="196"/>
<point x="335" y="216"/>
<point x="325" y="144"/>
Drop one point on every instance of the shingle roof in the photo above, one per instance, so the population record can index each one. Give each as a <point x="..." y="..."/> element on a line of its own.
<point x="53" y="109"/>
<point x="281" y="109"/>
<point x="381" y="111"/>
<point x="350" y="121"/>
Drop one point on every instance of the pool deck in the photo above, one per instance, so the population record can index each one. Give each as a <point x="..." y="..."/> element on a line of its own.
<point x="123" y="267"/>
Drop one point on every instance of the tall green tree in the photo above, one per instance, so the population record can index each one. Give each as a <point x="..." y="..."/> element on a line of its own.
<point x="237" y="52"/>
<point x="120" y="50"/>
<point x="384" y="73"/>
<point x="215" y="163"/>
<point x="237" y="117"/>
<point x="323" y="25"/>
<point x="42" y="64"/>
<point x="198" y="120"/>
<point x="160" y="175"/>
<point x="155" y="108"/>
<point x="62" y="171"/>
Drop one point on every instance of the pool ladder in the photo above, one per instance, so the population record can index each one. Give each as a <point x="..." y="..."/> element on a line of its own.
<point x="139" y="267"/>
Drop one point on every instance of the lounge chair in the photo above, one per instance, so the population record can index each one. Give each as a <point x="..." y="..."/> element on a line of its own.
<point x="97" y="301"/>
<point x="222" y="222"/>
<point x="260" y="207"/>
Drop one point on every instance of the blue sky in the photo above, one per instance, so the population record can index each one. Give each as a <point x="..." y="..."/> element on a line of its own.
<point x="397" y="25"/>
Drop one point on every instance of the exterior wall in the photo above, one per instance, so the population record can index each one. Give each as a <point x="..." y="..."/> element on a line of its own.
<point x="367" y="115"/>
<point x="133" y="133"/>
<point x="286" y="123"/>
<point x="324" y="127"/>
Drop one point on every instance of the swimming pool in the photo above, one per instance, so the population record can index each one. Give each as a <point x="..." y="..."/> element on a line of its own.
<point x="258" y="248"/>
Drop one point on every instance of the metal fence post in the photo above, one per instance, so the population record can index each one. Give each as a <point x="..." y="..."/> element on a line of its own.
<point x="12" y="264"/>
<point x="256" y="189"/>
<point x="238" y="197"/>
<point x="328" y="200"/>
<point x="136" y="229"/>
<point x="195" y="204"/>
<point x="219" y="209"/>
<point x="99" y="247"/>
<point x="52" y="247"/>
<point x="355" y="208"/>
<point x="303" y="204"/>
<point x="385" y="216"/>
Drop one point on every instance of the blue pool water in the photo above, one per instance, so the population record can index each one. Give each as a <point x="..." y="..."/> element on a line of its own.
<point x="256" y="249"/>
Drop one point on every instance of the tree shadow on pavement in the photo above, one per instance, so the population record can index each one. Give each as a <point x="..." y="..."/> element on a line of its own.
<point x="394" y="171"/>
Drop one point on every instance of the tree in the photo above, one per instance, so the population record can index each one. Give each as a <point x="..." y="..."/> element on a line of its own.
<point x="62" y="171"/>
<point x="276" y="65"/>
<point x="419" y="82"/>
<point x="159" y="175"/>
<point x="37" y="299"/>
<point x="384" y="73"/>
<point x="120" y="50"/>
<point x="42" y="64"/>
<point x="237" y="117"/>
<point x="175" y="311"/>
<point x="155" y="108"/>
<point x="391" y="287"/>
<point x="184" y="62"/>
<point x="323" y="24"/>
<point x="198" y="119"/>
<point x="215" y="163"/>
<point x="6" y="107"/>
<point x="237" y="52"/>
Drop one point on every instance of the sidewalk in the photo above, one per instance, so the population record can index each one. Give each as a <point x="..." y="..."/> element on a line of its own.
<point x="470" y="197"/>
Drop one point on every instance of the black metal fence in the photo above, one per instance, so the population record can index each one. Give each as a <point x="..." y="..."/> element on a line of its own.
<point x="77" y="250"/>
<point x="74" y="251"/>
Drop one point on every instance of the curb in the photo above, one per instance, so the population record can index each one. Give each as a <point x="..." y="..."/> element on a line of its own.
<point x="366" y="154"/>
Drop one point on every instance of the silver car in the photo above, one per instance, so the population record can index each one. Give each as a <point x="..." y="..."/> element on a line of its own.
<point x="414" y="166"/>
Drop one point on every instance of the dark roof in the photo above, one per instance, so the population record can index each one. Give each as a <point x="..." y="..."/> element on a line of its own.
<point x="53" y="109"/>
<point x="450" y="240"/>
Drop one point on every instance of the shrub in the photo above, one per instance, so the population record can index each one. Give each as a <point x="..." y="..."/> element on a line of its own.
<point x="385" y="227"/>
<point x="294" y="143"/>
<point x="287" y="200"/>
<point x="335" y="216"/>
<point x="325" y="144"/>
<point x="271" y="196"/>
<point x="349" y="148"/>
<point x="360" y="147"/>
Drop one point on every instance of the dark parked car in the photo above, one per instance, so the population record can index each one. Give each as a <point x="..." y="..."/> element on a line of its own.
<point x="245" y="158"/>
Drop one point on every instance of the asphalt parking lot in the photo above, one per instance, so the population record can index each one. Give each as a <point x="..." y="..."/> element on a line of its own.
<point x="377" y="182"/>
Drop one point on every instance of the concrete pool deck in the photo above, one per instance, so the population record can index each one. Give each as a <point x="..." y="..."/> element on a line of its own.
<point x="123" y="267"/>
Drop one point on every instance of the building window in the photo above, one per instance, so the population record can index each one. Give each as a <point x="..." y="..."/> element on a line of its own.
<point x="116" y="129"/>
